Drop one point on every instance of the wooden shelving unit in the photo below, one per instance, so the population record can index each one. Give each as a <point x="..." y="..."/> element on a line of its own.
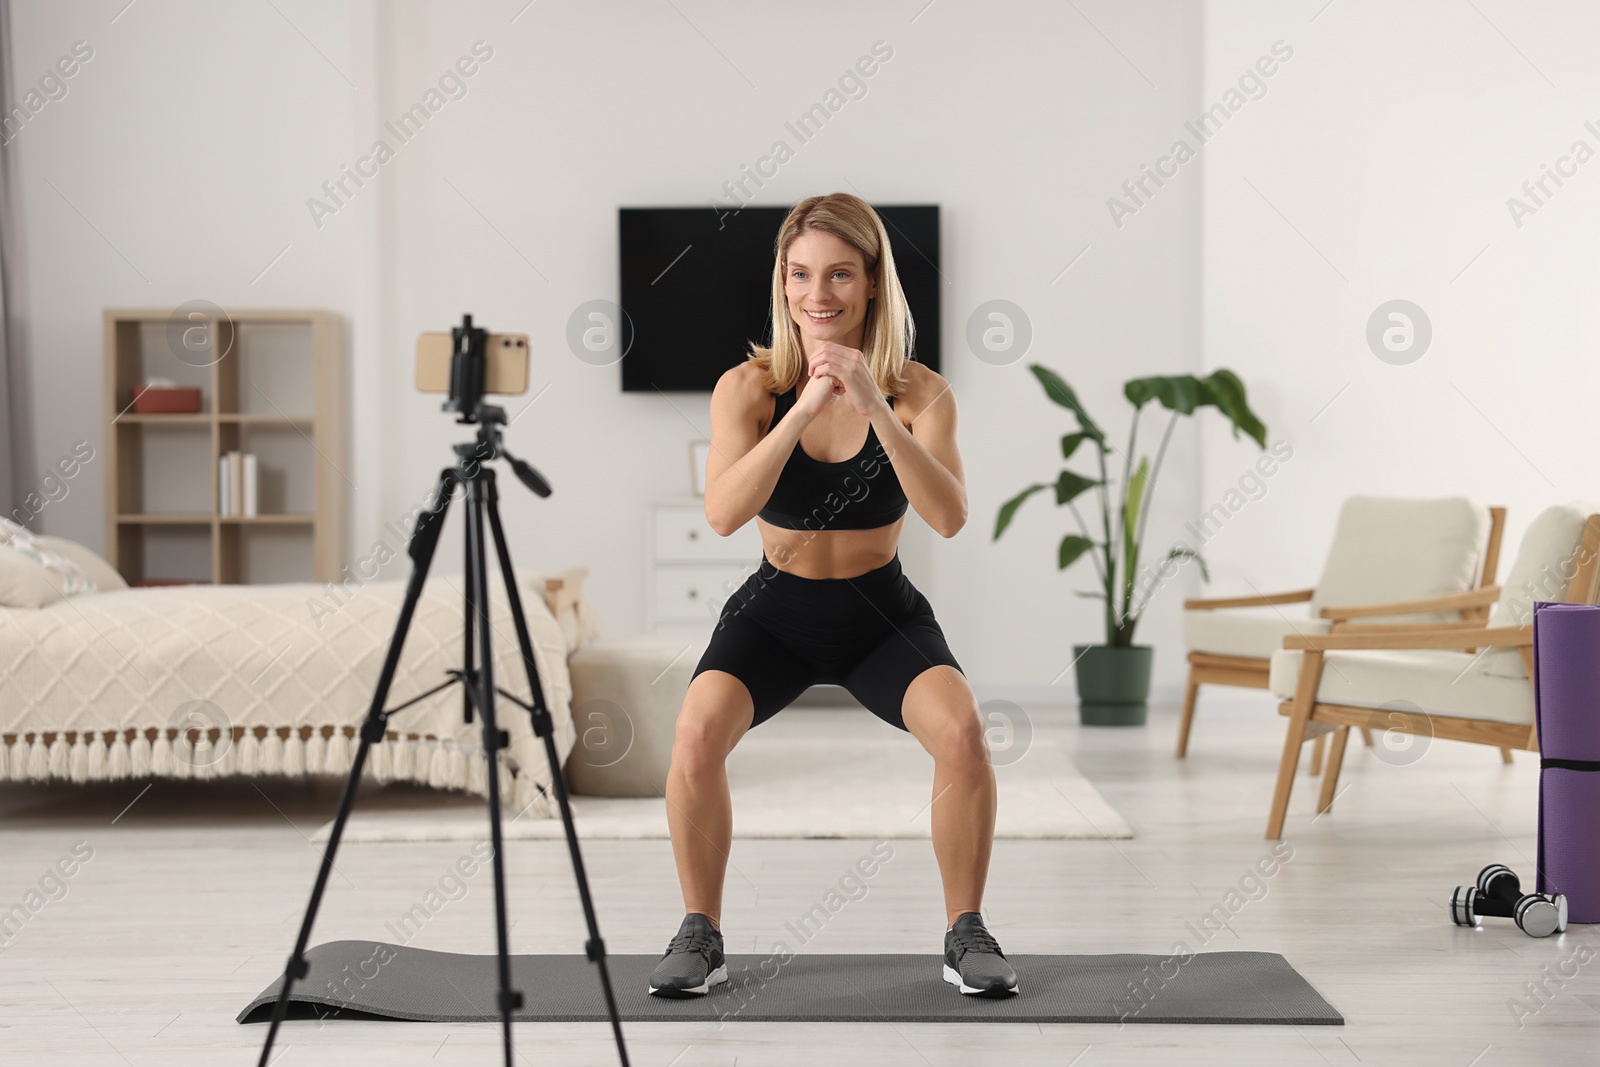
<point x="272" y="382"/>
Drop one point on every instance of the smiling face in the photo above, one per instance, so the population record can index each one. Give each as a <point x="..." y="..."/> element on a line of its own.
<point x="827" y="287"/>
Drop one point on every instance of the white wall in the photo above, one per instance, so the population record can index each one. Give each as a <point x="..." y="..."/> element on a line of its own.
<point x="1391" y="142"/>
<point x="198" y="132"/>
<point x="171" y="171"/>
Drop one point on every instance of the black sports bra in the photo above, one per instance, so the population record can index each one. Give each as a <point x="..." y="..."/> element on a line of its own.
<point x="860" y="493"/>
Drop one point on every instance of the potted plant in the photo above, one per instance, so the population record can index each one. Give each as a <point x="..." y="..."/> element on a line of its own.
<point x="1114" y="677"/>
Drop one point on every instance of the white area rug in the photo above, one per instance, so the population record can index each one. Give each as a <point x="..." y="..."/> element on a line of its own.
<point x="786" y="787"/>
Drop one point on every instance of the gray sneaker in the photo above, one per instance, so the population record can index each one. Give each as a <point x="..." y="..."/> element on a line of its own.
<point x="973" y="961"/>
<point x="693" y="962"/>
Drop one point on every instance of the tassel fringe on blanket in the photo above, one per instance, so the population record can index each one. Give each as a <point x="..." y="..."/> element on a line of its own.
<point x="164" y="752"/>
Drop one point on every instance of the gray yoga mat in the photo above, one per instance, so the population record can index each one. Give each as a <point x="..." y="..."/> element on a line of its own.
<point x="367" y="979"/>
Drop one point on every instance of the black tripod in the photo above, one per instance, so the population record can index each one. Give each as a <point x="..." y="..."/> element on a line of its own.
<point x="479" y="691"/>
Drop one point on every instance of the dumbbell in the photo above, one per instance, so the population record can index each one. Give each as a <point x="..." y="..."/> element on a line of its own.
<point x="1499" y="894"/>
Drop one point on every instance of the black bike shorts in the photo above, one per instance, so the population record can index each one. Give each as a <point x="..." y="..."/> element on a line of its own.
<point x="872" y="633"/>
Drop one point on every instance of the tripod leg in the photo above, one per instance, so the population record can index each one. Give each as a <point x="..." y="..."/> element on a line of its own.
<point x="423" y="541"/>
<point x="494" y="739"/>
<point x="468" y="636"/>
<point x="543" y="726"/>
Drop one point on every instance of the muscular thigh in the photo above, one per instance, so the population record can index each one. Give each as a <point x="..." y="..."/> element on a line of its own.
<point x="718" y="706"/>
<point x="941" y="711"/>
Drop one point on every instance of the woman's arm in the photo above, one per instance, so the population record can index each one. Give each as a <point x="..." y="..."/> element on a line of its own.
<point x="743" y="466"/>
<point x="925" y="457"/>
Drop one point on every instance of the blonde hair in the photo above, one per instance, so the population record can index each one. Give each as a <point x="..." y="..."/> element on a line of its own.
<point x="888" y="335"/>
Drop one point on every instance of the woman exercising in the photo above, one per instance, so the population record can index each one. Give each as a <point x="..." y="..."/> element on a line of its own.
<point x="829" y="602"/>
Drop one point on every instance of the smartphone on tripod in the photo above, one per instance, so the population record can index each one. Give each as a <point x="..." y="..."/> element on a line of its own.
<point x="505" y="365"/>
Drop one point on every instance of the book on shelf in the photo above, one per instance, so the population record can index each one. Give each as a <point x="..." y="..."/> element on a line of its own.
<point x="248" y="483"/>
<point x="237" y="485"/>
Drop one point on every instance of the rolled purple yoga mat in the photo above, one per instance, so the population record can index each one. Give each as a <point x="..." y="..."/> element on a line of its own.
<point x="1566" y="650"/>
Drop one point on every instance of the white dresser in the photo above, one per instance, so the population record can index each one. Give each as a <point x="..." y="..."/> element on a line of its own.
<point x="691" y="571"/>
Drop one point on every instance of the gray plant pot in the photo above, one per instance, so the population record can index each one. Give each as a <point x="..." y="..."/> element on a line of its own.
<point x="1113" y="684"/>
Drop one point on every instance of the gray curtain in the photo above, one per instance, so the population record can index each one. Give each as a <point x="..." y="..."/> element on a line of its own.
<point x="14" y="423"/>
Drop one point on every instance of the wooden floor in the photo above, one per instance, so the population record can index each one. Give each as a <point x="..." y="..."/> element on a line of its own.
<point x="193" y="895"/>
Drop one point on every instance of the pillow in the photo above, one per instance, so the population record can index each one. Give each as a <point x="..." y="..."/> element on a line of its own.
<point x="34" y="574"/>
<point x="563" y="595"/>
<point x="1396" y="548"/>
<point x="24" y="583"/>
<point x="102" y="574"/>
<point x="1547" y="559"/>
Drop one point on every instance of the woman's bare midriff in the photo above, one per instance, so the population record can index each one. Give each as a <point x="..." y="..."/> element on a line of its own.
<point x="829" y="553"/>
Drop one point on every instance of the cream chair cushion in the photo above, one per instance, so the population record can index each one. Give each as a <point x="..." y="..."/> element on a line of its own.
<point x="1459" y="684"/>
<point x="1546" y="560"/>
<point x="1492" y="685"/>
<point x="1384" y="548"/>
<point x="1251" y="632"/>
<point x="1391" y="548"/>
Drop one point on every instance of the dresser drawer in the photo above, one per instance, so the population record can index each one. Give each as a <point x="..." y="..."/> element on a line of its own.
<point x="695" y="594"/>
<point x="683" y="535"/>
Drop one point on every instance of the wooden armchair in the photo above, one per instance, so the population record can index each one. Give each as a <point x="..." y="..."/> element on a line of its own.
<point x="1384" y="549"/>
<point x="1458" y="682"/>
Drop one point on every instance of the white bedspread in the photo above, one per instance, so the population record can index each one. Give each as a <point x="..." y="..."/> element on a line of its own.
<point x="124" y="679"/>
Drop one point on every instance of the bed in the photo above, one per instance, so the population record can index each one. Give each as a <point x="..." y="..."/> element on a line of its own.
<point x="102" y="681"/>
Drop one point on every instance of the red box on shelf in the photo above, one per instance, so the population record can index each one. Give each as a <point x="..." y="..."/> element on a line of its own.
<point x="166" y="400"/>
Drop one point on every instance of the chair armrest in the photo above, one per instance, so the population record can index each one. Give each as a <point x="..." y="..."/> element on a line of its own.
<point x="1404" y="627"/>
<point x="1462" y="639"/>
<point x="1266" y="600"/>
<point x="1473" y="598"/>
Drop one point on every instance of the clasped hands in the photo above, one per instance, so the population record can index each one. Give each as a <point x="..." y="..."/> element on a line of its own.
<point x="850" y="378"/>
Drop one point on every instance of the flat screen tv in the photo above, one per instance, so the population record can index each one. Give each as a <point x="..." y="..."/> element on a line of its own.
<point x="696" y="288"/>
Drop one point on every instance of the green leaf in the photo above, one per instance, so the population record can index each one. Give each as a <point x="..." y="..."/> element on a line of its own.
<point x="1060" y="392"/>
<point x="1177" y="392"/>
<point x="1184" y="393"/>
<point x="1069" y="485"/>
<point x="1130" y="517"/>
<point x="1189" y="553"/>
<point x="1009" y="508"/>
<point x="1072" y="546"/>
<point x="1070" y="443"/>
<point x="1223" y="390"/>
<point x="1088" y="595"/>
